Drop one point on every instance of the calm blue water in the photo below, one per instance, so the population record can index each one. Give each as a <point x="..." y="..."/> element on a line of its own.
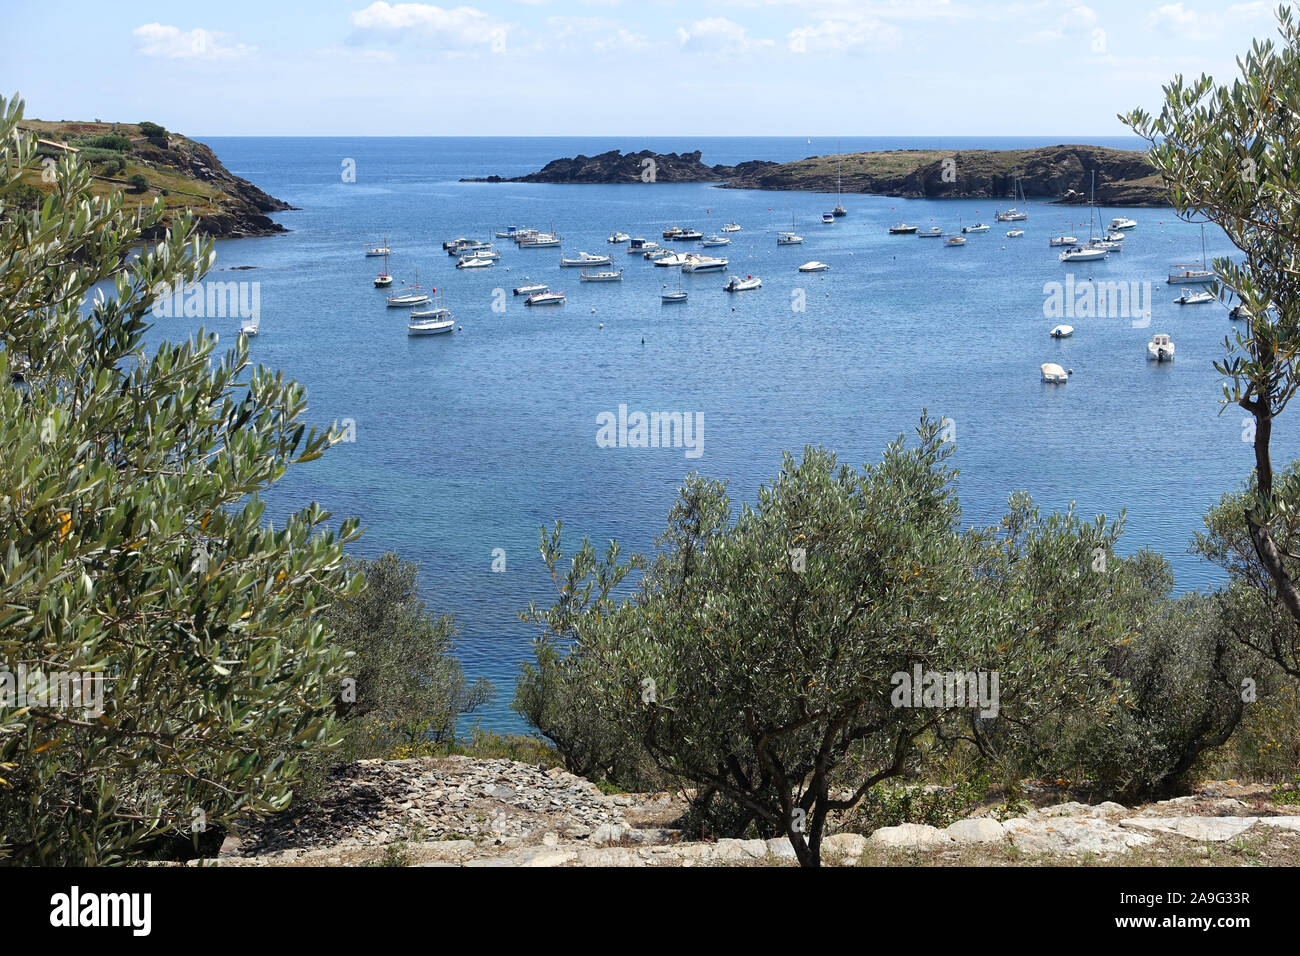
<point x="472" y="442"/>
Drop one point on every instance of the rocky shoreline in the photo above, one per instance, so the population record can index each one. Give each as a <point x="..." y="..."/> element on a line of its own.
<point x="1057" y="173"/>
<point x="461" y="811"/>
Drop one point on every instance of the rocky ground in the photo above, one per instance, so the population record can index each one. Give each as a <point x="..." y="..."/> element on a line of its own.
<point x="462" y="811"/>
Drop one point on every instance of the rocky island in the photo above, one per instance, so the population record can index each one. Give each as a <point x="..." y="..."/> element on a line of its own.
<point x="148" y="161"/>
<point x="1060" y="173"/>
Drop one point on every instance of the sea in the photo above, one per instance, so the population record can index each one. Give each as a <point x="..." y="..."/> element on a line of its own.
<point x="464" y="446"/>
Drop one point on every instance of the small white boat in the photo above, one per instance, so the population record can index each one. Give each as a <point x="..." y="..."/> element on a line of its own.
<point x="708" y="241"/>
<point x="641" y="245"/>
<point x="695" y="263"/>
<point x="465" y="246"/>
<point x="1198" y="273"/>
<point x="1121" y="223"/>
<point x="1199" y="297"/>
<point x="249" y="325"/>
<point x="1063" y="241"/>
<point x="409" y="296"/>
<point x="545" y="298"/>
<point x="955" y="241"/>
<point x="473" y="262"/>
<point x="509" y="232"/>
<point x="902" y="229"/>
<point x="934" y="232"/>
<point x="379" y="249"/>
<point x="672" y="232"/>
<point x="384" y="279"/>
<point x="828" y="218"/>
<point x="688" y="235"/>
<point x="1082" y="254"/>
<point x="978" y="227"/>
<point x="731" y="227"/>
<point x="1062" y="332"/>
<point x="1113" y="236"/>
<point x="618" y="237"/>
<point x="543" y="240"/>
<point x="1240" y="312"/>
<point x="1053" y="373"/>
<point x="602" y="276"/>
<point x="814" y="266"/>
<point x="654" y="255"/>
<point x="788" y="239"/>
<point x="1105" y="245"/>
<point x="488" y="253"/>
<point x="431" y="322"/>
<point x="530" y="289"/>
<point x="737" y="284"/>
<point x="1160" y="349"/>
<point x="1015" y="233"/>
<point x="678" y="296"/>
<point x="670" y="260"/>
<point x="448" y="244"/>
<point x="583" y="259"/>
<point x="1011" y="215"/>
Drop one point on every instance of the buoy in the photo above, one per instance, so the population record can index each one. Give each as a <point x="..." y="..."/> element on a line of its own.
<point x="602" y="325"/>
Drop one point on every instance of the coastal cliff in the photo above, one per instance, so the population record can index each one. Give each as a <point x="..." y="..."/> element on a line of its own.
<point x="185" y="173"/>
<point x="1062" y="173"/>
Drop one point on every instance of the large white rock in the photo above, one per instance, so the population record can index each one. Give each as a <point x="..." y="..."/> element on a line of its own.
<point x="846" y="848"/>
<point x="1286" y="823"/>
<point x="913" y="836"/>
<point x="1071" y="836"/>
<point x="1214" y="829"/>
<point x="976" y="830"/>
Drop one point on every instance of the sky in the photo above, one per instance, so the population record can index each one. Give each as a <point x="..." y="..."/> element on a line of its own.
<point x="617" y="67"/>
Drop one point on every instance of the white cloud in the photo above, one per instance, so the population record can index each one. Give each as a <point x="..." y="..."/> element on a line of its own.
<point x="452" y="27"/>
<point x="718" y="35"/>
<point x="598" y="33"/>
<point x="1193" y="25"/>
<point x="173" y="43"/>
<point x="838" y="36"/>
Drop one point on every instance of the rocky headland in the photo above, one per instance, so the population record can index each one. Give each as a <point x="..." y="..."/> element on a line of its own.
<point x="185" y="173"/>
<point x="1058" y="173"/>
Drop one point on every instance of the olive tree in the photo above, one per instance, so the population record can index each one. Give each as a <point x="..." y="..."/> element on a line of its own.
<point x="135" y="550"/>
<point x="770" y="658"/>
<point x="1227" y="154"/>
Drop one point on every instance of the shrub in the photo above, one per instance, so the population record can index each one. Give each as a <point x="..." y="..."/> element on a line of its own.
<point x="109" y="141"/>
<point x="137" y="182"/>
<point x="152" y="130"/>
<point x="136" y="546"/>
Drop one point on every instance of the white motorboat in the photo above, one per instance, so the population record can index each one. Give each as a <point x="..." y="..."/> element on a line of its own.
<point x="584" y="259"/>
<point x="618" y="237"/>
<point x="465" y="246"/>
<point x="672" y="232"/>
<point x="828" y="218"/>
<point x="1121" y="223"/>
<point x="708" y="241"/>
<point x="737" y="284"/>
<point x="1015" y="233"/>
<point x="1105" y="245"/>
<point x="488" y="253"/>
<point x="671" y="260"/>
<point x="1114" y="236"/>
<point x="602" y="276"/>
<point x="678" y="296"/>
<point x="978" y="227"/>
<point x="1062" y="332"/>
<point x="1199" y="297"/>
<point x="545" y="298"/>
<point x="934" y="232"/>
<point x="530" y="289"/>
<point x="1053" y="373"/>
<point x="380" y="249"/>
<point x="509" y="232"/>
<point x="902" y="229"/>
<point x="695" y="263"/>
<point x="788" y="239"/>
<point x="955" y="241"/>
<point x="542" y="240"/>
<point x="249" y="325"/>
<point x="451" y="243"/>
<point x="654" y="255"/>
<point x="431" y="322"/>
<point x="1082" y="254"/>
<point x="1160" y="349"/>
<point x="641" y="245"/>
<point x="473" y="262"/>
<point x="688" y="235"/>
<point x="814" y="266"/>
<point x="1063" y="241"/>
<point x="731" y="227"/>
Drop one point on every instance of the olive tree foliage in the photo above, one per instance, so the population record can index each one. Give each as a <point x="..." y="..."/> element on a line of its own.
<point x="759" y="656"/>
<point x="404" y="683"/>
<point x="1228" y="155"/>
<point x="134" y="544"/>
